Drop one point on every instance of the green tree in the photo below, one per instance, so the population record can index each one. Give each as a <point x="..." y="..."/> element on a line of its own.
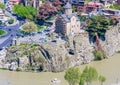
<point x="89" y="74"/>
<point x="72" y="75"/>
<point x="11" y="21"/>
<point x="2" y="32"/>
<point x="102" y="79"/>
<point x="115" y="6"/>
<point x="29" y="27"/>
<point x="25" y="11"/>
<point x="99" y="55"/>
<point x="81" y="81"/>
<point x="2" y="6"/>
<point x="87" y="0"/>
<point x="73" y="8"/>
<point x="97" y="26"/>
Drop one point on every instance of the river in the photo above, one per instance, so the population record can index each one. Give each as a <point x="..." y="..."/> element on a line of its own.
<point x="108" y="67"/>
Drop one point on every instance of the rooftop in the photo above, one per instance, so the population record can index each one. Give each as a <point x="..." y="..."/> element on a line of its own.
<point x="14" y="0"/>
<point x="68" y="6"/>
<point x="68" y="17"/>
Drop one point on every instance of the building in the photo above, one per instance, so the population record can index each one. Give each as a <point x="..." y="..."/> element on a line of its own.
<point x="34" y="3"/>
<point x="11" y="3"/>
<point x="118" y="1"/>
<point x="67" y="23"/>
<point x="113" y="12"/>
<point x="1" y="15"/>
<point x="92" y="6"/>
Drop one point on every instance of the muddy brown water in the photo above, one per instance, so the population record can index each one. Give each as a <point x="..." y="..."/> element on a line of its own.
<point x="109" y="67"/>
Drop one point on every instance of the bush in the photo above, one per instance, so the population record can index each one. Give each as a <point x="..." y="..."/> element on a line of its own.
<point x="29" y="68"/>
<point x="99" y="55"/>
<point x="1" y="23"/>
<point x="2" y="32"/>
<point x="30" y="27"/>
<point x="18" y="69"/>
<point x="118" y="51"/>
<point x="11" y="21"/>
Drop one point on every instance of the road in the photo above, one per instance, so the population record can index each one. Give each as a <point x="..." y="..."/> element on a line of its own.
<point x="12" y="32"/>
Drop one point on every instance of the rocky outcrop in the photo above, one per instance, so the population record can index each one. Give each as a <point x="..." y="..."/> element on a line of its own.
<point x="58" y="56"/>
<point x="111" y="45"/>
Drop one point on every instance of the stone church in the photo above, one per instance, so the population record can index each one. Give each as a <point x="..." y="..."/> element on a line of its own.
<point x="67" y="23"/>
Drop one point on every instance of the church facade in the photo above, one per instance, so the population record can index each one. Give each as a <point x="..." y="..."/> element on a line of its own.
<point x="67" y="23"/>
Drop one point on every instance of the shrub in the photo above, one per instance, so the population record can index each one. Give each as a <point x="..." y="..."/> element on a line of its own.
<point x="2" y="32"/>
<point x="99" y="55"/>
<point x="1" y="23"/>
<point x="10" y="21"/>
<point x="118" y="51"/>
<point x="18" y="69"/>
<point x="29" y="27"/>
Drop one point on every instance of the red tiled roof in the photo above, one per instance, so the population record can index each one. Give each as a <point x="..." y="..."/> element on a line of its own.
<point x="14" y="0"/>
<point x="94" y="3"/>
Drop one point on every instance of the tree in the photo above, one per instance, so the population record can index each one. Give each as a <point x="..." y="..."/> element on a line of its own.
<point x="72" y="75"/>
<point x="57" y="4"/>
<point x="2" y="6"/>
<point x="73" y="8"/>
<point x="89" y="74"/>
<point x="102" y="79"/>
<point x="2" y="32"/>
<point x="46" y="10"/>
<point x="29" y="27"/>
<point x="25" y="11"/>
<point x="99" y="55"/>
<point x="97" y="26"/>
<point x="81" y="81"/>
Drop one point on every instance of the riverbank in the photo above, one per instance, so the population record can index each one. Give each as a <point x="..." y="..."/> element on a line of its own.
<point x="108" y="67"/>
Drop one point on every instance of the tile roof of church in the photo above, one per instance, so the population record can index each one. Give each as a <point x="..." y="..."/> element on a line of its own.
<point x="68" y="17"/>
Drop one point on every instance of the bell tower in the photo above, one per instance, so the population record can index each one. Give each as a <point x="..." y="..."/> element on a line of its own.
<point x="68" y="9"/>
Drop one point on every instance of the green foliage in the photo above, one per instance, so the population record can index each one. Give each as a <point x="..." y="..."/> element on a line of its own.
<point x="18" y="69"/>
<point x="102" y="79"/>
<point x="89" y="74"/>
<point x="29" y="27"/>
<point x="87" y="0"/>
<point x="73" y="8"/>
<point x="81" y="81"/>
<point x="115" y="6"/>
<point x="3" y="69"/>
<point x="60" y="10"/>
<point x="30" y="68"/>
<point x="2" y="32"/>
<point x="72" y="75"/>
<point x="25" y="11"/>
<point x="99" y="55"/>
<point x="11" y="21"/>
<point x="118" y="51"/>
<point x="1" y="23"/>
<point x="2" y="6"/>
<point x="98" y="24"/>
<point x="82" y="18"/>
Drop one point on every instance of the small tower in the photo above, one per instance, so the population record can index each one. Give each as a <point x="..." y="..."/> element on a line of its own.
<point x="68" y="8"/>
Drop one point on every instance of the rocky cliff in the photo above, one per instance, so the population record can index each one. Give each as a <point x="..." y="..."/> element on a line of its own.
<point x="111" y="45"/>
<point x="58" y="56"/>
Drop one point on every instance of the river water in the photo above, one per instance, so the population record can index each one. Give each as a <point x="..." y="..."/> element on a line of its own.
<point x="109" y="67"/>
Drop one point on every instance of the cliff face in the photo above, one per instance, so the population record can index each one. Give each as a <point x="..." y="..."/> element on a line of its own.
<point x="112" y="41"/>
<point x="62" y="54"/>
